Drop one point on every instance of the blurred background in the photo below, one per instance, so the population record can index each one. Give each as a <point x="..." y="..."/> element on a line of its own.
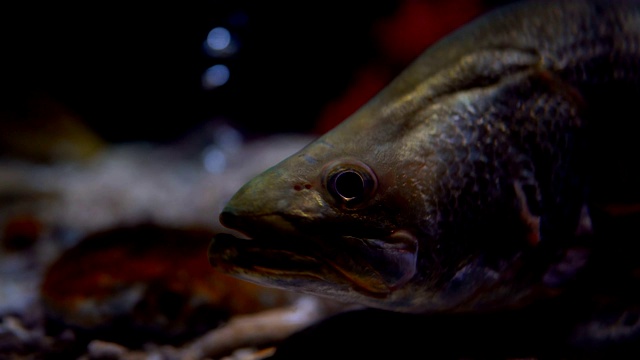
<point x="134" y="71"/>
<point x="126" y="126"/>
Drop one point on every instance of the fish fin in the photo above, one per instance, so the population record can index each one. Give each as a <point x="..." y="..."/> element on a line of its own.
<point x="574" y="258"/>
<point x="529" y="205"/>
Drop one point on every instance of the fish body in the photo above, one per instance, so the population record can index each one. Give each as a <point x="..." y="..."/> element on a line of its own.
<point x="498" y="169"/>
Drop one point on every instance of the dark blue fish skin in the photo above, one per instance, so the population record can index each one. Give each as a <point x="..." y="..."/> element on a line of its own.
<point x="490" y="174"/>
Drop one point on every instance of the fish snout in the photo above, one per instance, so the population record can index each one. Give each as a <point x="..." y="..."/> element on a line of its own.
<point x="229" y="218"/>
<point x="256" y="225"/>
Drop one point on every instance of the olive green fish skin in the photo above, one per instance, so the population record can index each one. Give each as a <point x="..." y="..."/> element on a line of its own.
<point x="471" y="181"/>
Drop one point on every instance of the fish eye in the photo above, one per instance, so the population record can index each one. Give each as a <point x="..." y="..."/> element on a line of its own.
<point x="350" y="183"/>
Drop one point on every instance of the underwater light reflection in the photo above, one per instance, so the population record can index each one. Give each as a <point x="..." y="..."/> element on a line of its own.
<point x="215" y="76"/>
<point x="218" y="39"/>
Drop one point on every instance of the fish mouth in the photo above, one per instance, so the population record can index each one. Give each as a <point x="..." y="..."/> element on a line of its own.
<point x="322" y="266"/>
<point x="237" y="255"/>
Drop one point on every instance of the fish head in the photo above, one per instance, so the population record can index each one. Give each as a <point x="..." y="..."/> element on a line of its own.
<point x="352" y="216"/>
<point x="327" y="220"/>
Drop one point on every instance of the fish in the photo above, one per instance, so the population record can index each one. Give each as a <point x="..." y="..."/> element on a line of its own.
<point x="498" y="169"/>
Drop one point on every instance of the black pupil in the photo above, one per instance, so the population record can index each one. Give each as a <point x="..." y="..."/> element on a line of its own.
<point x="349" y="185"/>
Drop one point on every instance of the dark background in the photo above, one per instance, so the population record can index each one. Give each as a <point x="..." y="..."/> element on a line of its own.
<point x="133" y="71"/>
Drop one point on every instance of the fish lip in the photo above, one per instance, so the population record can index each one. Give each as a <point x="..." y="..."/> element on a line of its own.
<point x="277" y="255"/>
<point x="272" y="226"/>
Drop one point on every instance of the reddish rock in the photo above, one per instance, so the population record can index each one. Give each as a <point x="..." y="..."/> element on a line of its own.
<point x="146" y="283"/>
